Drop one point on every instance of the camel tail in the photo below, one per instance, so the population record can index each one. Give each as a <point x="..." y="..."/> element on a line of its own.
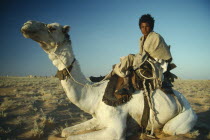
<point x="184" y="121"/>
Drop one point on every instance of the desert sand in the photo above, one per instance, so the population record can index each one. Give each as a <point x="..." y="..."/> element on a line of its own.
<point x="38" y="108"/>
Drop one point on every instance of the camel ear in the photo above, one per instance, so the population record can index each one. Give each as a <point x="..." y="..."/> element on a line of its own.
<point x="66" y="28"/>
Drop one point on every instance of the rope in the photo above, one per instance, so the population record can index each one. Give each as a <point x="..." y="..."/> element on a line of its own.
<point x="153" y="68"/>
<point x="151" y="106"/>
<point x="56" y="46"/>
<point x="85" y="85"/>
<point x="69" y="71"/>
<point x="95" y="84"/>
<point x="150" y="94"/>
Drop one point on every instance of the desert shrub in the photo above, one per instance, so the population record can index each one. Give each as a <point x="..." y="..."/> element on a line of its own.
<point x="208" y="136"/>
<point x="3" y="114"/>
<point x="193" y="134"/>
<point x="38" y="130"/>
<point x="50" y="120"/>
<point x="20" y="120"/>
<point x="57" y="131"/>
<point x="5" y="131"/>
<point x="6" y="104"/>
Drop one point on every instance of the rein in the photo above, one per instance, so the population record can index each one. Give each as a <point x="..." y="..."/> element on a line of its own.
<point x="63" y="74"/>
<point x="67" y="71"/>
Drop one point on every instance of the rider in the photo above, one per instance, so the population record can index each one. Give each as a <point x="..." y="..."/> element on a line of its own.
<point x="152" y="48"/>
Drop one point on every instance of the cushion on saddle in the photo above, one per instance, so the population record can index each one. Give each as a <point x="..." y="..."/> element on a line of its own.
<point x="113" y="99"/>
<point x="110" y="97"/>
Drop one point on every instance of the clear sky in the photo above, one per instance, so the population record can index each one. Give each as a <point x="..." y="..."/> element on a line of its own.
<point x="104" y="30"/>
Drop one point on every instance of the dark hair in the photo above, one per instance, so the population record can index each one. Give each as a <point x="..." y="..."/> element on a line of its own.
<point x="148" y="19"/>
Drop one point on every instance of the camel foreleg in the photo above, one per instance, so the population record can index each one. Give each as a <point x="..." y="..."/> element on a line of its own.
<point x="84" y="127"/>
<point x="115" y="130"/>
<point x="104" y="134"/>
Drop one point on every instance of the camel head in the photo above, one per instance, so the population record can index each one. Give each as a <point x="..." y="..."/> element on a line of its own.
<point x="49" y="36"/>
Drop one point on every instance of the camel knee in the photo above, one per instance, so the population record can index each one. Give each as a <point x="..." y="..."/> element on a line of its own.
<point x="103" y="134"/>
<point x="66" y="132"/>
<point x="69" y="131"/>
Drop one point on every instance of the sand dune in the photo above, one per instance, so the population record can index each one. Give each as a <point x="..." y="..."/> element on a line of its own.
<point x="36" y="108"/>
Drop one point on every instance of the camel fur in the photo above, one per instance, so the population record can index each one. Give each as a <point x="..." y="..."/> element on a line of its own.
<point x="107" y="123"/>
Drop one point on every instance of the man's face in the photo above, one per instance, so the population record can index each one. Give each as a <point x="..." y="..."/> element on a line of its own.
<point x="145" y="28"/>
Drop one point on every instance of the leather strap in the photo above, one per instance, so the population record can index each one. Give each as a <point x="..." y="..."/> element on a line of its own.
<point x="64" y="73"/>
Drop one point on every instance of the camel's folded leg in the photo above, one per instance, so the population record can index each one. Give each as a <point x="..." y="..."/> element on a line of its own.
<point x="115" y="130"/>
<point x="181" y="124"/>
<point x="104" y="134"/>
<point x="184" y="121"/>
<point x="89" y="125"/>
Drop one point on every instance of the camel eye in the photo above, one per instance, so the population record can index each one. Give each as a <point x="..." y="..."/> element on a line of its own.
<point x="51" y="29"/>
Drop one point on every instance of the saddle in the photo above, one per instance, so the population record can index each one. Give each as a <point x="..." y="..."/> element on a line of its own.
<point x="137" y="82"/>
<point x="111" y="97"/>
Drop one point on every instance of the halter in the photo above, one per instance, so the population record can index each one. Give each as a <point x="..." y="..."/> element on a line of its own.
<point x="62" y="74"/>
<point x="65" y="73"/>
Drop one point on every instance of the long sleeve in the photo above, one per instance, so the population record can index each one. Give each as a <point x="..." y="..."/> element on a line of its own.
<point x="156" y="47"/>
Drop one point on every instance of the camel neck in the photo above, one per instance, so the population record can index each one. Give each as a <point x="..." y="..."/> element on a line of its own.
<point x="62" y="58"/>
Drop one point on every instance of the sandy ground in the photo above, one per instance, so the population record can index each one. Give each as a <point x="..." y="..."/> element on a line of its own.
<point x="37" y="108"/>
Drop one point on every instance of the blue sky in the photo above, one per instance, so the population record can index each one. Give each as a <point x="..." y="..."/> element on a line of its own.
<point x="104" y="30"/>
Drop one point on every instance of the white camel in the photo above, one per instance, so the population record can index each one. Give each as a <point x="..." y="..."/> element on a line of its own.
<point x="107" y="123"/>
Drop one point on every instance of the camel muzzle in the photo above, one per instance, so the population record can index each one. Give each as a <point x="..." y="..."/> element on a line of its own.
<point x="32" y="27"/>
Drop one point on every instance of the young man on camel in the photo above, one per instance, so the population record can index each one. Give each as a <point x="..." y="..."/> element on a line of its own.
<point x="154" y="50"/>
